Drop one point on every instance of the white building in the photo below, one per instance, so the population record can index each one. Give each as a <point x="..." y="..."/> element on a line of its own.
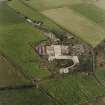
<point x="61" y="52"/>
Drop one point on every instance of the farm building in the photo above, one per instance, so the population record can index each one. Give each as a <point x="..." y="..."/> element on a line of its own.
<point x="58" y="52"/>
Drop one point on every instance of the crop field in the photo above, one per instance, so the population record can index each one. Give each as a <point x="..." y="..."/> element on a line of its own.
<point x="75" y="89"/>
<point x="91" y="12"/>
<point x="15" y="38"/>
<point x="100" y="3"/>
<point x="31" y="96"/>
<point x="77" y="24"/>
<point x="88" y="26"/>
<point x="9" y="75"/>
<point x="49" y="4"/>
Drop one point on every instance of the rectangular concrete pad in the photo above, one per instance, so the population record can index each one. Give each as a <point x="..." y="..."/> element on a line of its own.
<point x="82" y="27"/>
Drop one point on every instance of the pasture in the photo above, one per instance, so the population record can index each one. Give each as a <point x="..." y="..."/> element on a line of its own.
<point x="74" y="89"/>
<point x="15" y="38"/>
<point x="100" y="74"/>
<point x="9" y="75"/>
<point x="30" y="96"/>
<point x="86" y="25"/>
<point x="77" y="24"/>
<point x="33" y="14"/>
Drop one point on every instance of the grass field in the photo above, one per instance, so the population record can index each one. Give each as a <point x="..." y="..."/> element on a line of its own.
<point x="33" y="14"/>
<point x="15" y="36"/>
<point x="100" y="73"/>
<point x="97" y="101"/>
<point x="75" y="89"/>
<point x="70" y="90"/>
<point x="31" y="96"/>
<point x="9" y="75"/>
<point x="77" y="24"/>
<point x="87" y="27"/>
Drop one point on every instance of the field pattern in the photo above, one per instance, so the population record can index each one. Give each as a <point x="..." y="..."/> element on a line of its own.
<point x="49" y="4"/>
<point x="77" y="24"/>
<point x="32" y="13"/>
<point x="91" y="12"/>
<point x="15" y="38"/>
<point x="75" y="89"/>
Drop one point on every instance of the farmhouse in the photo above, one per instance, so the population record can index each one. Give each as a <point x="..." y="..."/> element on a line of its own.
<point x="58" y="52"/>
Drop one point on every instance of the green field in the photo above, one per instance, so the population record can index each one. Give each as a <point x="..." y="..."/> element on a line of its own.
<point x="15" y="38"/>
<point x="100" y="73"/>
<point x="71" y="90"/>
<point x="9" y="75"/>
<point x="80" y="26"/>
<point x="41" y="5"/>
<point x="91" y="12"/>
<point x="75" y="89"/>
<point x="31" y="96"/>
<point x="33" y="14"/>
<point x="86" y="25"/>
